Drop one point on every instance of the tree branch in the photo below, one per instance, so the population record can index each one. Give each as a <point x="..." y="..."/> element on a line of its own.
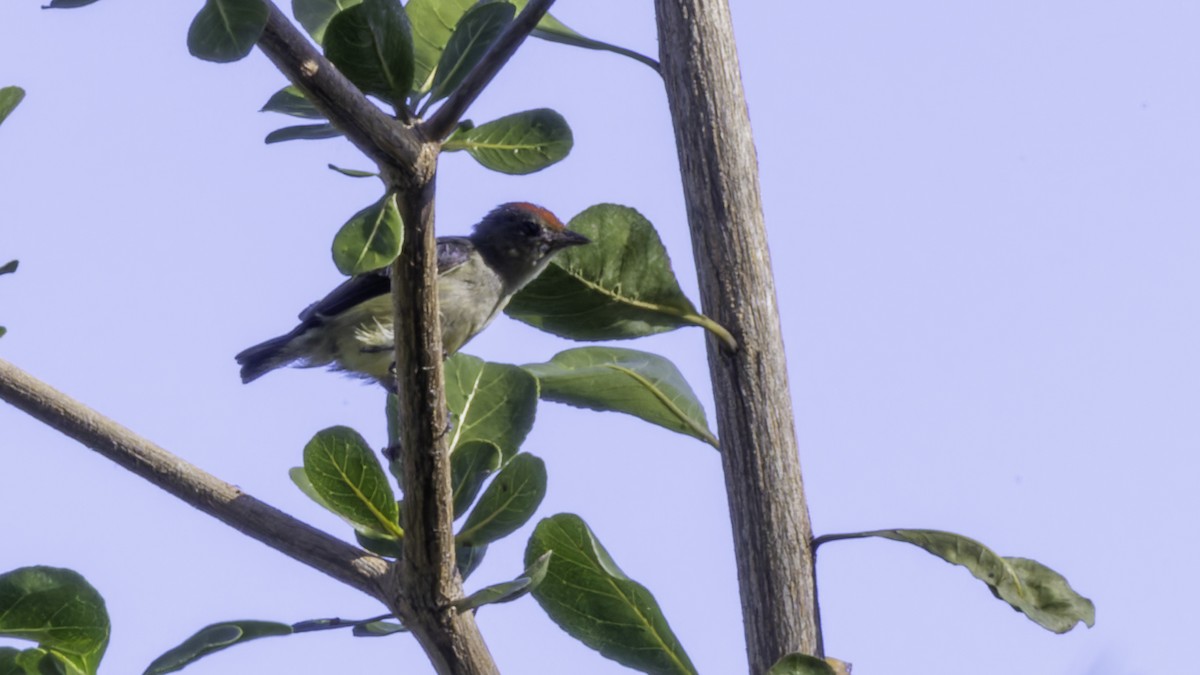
<point x="771" y="528"/>
<point x="392" y="145"/>
<point x="347" y="564"/>
<point x="446" y="118"/>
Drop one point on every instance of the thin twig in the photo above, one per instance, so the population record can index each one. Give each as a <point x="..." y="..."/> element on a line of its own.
<point x="446" y="118"/>
<point x="227" y="503"/>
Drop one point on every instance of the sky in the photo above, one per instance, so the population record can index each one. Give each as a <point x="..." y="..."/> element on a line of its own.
<point x="983" y="221"/>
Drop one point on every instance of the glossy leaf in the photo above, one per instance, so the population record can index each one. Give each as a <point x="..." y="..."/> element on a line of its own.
<point x="347" y="475"/>
<point x="289" y="101"/>
<point x="303" y="132"/>
<point x="553" y="30"/>
<point x="60" y="611"/>
<point x="624" y="380"/>
<point x="472" y="37"/>
<point x="801" y="664"/>
<point x="353" y="173"/>
<point x="509" y="590"/>
<point x="619" y="286"/>
<point x="491" y="402"/>
<point x="371" y="43"/>
<point x="507" y="503"/>
<point x="433" y="23"/>
<point x="520" y="143"/>
<point x="315" y="15"/>
<point x="226" y="30"/>
<point x="370" y="239"/>
<point x="1028" y="586"/>
<point x="590" y="598"/>
<point x="470" y="465"/>
<point x="378" y="629"/>
<point x="10" y="267"/>
<point x="10" y="98"/>
<point x="214" y="638"/>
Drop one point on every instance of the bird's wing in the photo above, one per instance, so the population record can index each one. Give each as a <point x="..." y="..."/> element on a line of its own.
<point x="452" y="252"/>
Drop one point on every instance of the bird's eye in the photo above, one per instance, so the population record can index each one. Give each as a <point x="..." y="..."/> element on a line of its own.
<point x="530" y="228"/>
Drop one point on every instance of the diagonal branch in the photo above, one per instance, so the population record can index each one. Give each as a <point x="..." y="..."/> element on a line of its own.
<point x="227" y="503"/>
<point x="442" y="122"/>
<point x="391" y="144"/>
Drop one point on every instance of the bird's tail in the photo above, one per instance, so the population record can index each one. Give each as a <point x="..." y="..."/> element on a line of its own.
<point x="266" y="356"/>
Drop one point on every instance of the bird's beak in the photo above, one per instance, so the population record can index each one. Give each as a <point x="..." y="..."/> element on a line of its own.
<point x="567" y="239"/>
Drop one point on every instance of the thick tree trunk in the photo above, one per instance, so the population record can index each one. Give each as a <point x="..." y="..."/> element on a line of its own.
<point x="771" y="528"/>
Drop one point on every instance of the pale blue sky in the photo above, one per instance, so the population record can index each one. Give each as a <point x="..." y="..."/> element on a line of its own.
<point x="983" y="218"/>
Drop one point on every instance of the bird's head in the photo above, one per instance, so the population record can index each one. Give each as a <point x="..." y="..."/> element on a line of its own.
<point x="518" y="239"/>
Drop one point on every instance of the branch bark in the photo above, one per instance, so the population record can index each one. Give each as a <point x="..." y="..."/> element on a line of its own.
<point x="227" y="503"/>
<point x="770" y="520"/>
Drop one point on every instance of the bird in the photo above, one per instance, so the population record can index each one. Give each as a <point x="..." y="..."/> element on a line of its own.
<point x="350" y="329"/>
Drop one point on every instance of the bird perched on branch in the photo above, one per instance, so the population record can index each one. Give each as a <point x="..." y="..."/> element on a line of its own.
<point x="351" y="328"/>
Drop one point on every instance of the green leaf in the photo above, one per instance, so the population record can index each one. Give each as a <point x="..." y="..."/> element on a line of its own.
<point x="553" y="30"/>
<point x="1028" y="586"/>
<point x="619" y="286"/>
<point x="10" y="98"/>
<point x="472" y="37"/>
<point x="371" y="43"/>
<point x="491" y="402"/>
<point x="433" y="23"/>
<point x="507" y="503"/>
<point x="58" y="609"/>
<point x="10" y="267"/>
<point x="346" y="474"/>
<point x="315" y="15"/>
<point x="468" y="559"/>
<point x="590" y="598"/>
<point x="625" y="380"/>
<point x="801" y="664"/>
<point x="353" y="173"/>
<point x="520" y="143"/>
<point x="378" y="629"/>
<point x="303" y="132"/>
<point x="509" y="590"/>
<point x="226" y="30"/>
<point x="470" y="465"/>
<point x="214" y="638"/>
<point x="370" y="239"/>
<point x="3" y="331"/>
<point x="67" y="4"/>
<point x="385" y="546"/>
<point x="289" y="101"/>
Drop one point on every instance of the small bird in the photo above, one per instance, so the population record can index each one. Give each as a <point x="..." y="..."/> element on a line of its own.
<point x="351" y="328"/>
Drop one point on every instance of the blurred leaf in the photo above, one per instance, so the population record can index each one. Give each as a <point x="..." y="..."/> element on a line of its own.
<point x="58" y="609"/>
<point x="353" y="173"/>
<point x="289" y="101"/>
<point x="637" y="383"/>
<point x="493" y="402"/>
<point x="472" y="37"/>
<point x="801" y="664"/>
<point x="371" y="43"/>
<point x="214" y="638"/>
<point x="619" y="286"/>
<point x="470" y="465"/>
<point x="509" y="590"/>
<point x="346" y="474"/>
<point x="1028" y="586"/>
<point x="468" y="559"/>
<point x="590" y="598"/>
<point x="378" y="629"/>
<point x="370" y="239"/>
<point x="303" y="132"/>
<point x="67" y="4"/>
<point x="10" y="98"/>
<point x="553" y="30"/>
<point x="520" y="143"/>
<point x="3" y="331"/>
<point x="315" y="15"/>
<point x="433" y="23"/>
<point x="226" y="30"/>
<point x="507" y="503"/>
<point x="10" y="267"/>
